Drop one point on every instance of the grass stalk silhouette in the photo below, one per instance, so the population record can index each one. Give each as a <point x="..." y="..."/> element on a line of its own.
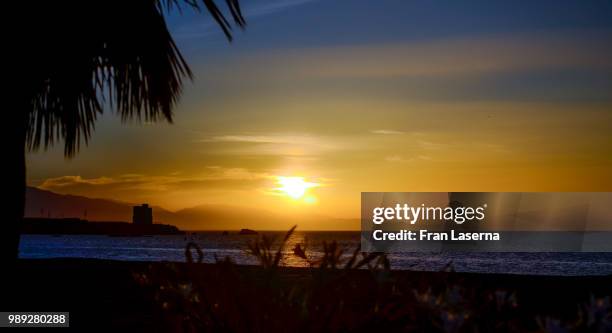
<point x="342" y="291"/>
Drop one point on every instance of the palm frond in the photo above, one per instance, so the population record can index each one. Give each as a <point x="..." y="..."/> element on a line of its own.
<point x="81" y="56"/>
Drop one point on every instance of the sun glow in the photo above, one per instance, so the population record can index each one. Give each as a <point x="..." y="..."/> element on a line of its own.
<point x="294" y="187"/>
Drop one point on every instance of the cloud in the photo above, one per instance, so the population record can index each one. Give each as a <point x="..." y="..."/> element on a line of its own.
<point x="271" y="7"/>
<point x="119" y="186"/>
<point x="444" y="58"/>
<point x="66" y="181"/>
<point x="283" y="139"/>
<point x="401" y="159"/>
<point x="429" y="145"/>
<point x="259" y="9"/>
<point x="274" y="144"/>
<point x="386" y="132"/>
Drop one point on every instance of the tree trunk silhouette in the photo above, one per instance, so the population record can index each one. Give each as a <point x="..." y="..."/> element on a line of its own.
<point x="15" y="187"/>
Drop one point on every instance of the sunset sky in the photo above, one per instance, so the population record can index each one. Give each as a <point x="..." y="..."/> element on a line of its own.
<point x="359" y="96"/>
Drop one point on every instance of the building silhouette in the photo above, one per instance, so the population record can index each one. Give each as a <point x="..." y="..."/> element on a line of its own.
<point x="143" y="214"/>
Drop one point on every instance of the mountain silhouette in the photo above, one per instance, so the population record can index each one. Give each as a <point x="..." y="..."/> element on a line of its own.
<point x="43" y="203"/>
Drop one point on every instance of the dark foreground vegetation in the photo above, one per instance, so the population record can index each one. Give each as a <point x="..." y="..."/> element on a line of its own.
<point x="337" y="293"/>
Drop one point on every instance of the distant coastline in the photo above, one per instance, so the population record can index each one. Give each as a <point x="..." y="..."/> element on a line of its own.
<point x="75" y="226"/>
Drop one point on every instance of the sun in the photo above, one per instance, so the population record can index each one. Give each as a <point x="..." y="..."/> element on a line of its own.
<point x="294" y="187"/>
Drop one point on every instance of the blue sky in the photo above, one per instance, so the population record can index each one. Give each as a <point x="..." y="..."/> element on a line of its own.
<point x="299" y="26"/>
<point x="330" y="23"/>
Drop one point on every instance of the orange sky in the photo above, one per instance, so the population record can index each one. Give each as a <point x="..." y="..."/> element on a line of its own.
<point x="504" y="111"/>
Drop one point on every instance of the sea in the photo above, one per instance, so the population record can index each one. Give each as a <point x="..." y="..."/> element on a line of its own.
<point x="218" y="245"/>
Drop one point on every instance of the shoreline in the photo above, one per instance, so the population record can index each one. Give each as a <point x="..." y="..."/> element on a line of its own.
<point x="76" y="226"/>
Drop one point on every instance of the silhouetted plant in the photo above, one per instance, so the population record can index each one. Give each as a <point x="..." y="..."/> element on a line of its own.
<point x="261" y="248"/>
<point x="340" y="293"/>
<point x="189" y="255"/>
<point x="593" y="316"/>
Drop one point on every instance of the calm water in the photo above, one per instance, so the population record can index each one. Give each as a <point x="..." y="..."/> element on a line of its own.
<point x="172" y="248"/>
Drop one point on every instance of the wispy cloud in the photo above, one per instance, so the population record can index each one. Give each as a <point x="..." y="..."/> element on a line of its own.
<point x="386" y="132"/>
<point x="288" y="139"/>
<point x="457" y="57"/>
<point x="106" y="186"/>
<point x="402" y="159"/>
<point x="273" y="144"/>
<point x="67" y="181"/>
<point x="266" y="8"/>
<point x="258" y="9"/>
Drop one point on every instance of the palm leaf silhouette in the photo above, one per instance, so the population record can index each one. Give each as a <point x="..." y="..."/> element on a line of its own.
<point x="75" y="59"/>
<point x="127" y="58"/>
